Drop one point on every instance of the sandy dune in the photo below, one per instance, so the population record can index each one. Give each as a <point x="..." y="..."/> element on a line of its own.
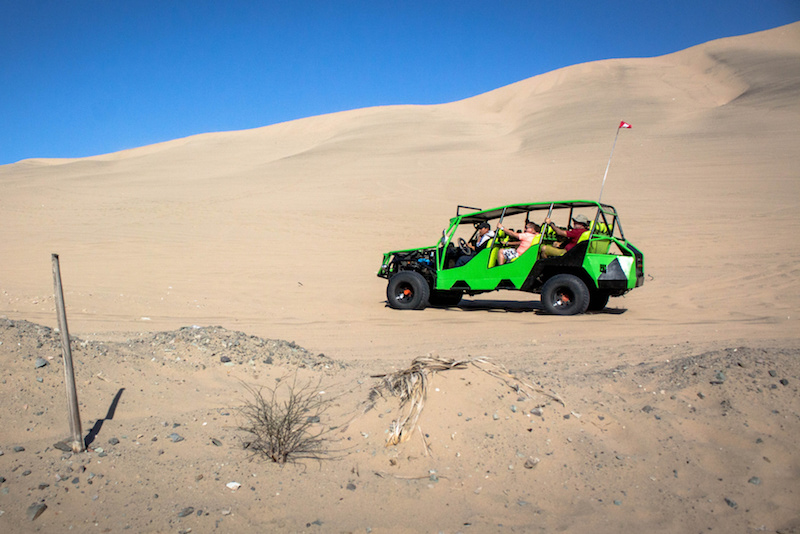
<point x="278" y="232"/>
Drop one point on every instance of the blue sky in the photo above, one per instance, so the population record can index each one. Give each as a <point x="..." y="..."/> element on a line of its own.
<point x="80" y="78"/>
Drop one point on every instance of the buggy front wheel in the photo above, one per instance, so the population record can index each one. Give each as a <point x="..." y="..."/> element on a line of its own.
<point x="408" y="290"/>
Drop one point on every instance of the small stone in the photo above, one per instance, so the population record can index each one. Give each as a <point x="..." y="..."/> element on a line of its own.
<point x="312" y="419"/>
<point x="513" y="408"/>
<point x="530" y="463"/>
<point x="755" y="481"/>
<point x="189" y="510"/>
<point x="495" y="417"/>
<point x="647" y="409"/>
<point x="617" y="502"/>
<point x="784" y="382"/>
<point x="731" y="502"/>
<point x="40" y="362"/>
<point x="351" y="486"/>
<point x="773" y="373"/>
<point x="62" y="446"/>
<point x="35" y="510"/>
<point x="700" y="395"/>
<point x="19" y="448"/>
<point x="224" y="359"/>
<point x="113" y="441"/>
<point x="537" y="412"/>
<point x="199" y="477"/>
<point x="233" y="485"/>
<point x="175" y="437"/>
<point x="216" y="442"/>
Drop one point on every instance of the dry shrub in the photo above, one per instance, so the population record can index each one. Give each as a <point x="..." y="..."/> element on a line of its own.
<point x="283" y="423"/>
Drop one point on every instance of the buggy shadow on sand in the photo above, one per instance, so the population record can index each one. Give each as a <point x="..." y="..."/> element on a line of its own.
<point x="603" y="264"/>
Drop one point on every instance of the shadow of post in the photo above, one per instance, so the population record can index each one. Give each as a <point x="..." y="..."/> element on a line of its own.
<point x="99" y="423"/>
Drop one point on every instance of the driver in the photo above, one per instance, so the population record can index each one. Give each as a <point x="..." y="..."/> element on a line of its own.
<point x="484" y="235"/>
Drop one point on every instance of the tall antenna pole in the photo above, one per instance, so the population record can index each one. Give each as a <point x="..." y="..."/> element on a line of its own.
<point x="622" y="124"/>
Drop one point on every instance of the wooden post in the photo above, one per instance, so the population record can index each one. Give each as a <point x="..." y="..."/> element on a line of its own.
<point x="69" y="375"/>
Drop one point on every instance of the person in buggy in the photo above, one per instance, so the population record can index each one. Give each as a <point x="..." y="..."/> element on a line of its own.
<point x="573" y="235"/>
<point x="485" y="234"/>
<point x="528" y="238"/>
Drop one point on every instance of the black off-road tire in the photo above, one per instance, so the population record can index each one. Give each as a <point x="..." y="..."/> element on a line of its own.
<point x="408" y="290"/>
<point x="445" y="298"/>
<point x="598" y="299"/>
<point x="565" y="294"/>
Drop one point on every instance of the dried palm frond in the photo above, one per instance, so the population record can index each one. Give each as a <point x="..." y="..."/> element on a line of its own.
<point x="411" y="386"/>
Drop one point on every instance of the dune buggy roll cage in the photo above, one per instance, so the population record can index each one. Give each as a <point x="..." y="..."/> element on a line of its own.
<point x="605" y="222"/>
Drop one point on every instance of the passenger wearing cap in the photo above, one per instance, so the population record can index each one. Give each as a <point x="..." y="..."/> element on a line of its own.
<point x="484" y="235"/>
<point x="573" y="235"/>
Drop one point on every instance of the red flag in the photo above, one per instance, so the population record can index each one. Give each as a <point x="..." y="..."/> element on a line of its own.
<point x="624" y="124"/>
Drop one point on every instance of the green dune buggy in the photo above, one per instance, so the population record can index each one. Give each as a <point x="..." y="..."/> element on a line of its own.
<point x="601" y="265"/>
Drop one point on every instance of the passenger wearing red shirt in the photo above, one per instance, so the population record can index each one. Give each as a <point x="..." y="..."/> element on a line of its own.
<point x="581" y="225"/>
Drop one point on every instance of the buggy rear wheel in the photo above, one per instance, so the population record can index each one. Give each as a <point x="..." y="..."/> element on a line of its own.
<point x="408" y="290"/>
<point x="565" y="294"/>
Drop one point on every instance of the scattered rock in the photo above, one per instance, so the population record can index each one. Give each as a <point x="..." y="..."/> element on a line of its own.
<point x="175" y="437"/>
<point x="62" y="446"/>
<point x="113" y="441"/>
<point x="19" y="448"/>
<point x="233" y="485"/>
<point x="189" y="510"/>
<point x="730" y="502"/>
<point x="784" y="382"/>
<point x="216" y="442"/>
<point x="35" y="510"/>
<point x="755" y="481"/>
<point x="40" y="362"/>
<point x="530" y="463"/>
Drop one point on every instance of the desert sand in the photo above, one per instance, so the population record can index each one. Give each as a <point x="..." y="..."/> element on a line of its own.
<point x="680" y="410"/>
